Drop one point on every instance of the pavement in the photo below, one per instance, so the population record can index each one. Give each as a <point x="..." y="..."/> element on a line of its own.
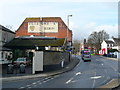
<point x="73" y="62"/>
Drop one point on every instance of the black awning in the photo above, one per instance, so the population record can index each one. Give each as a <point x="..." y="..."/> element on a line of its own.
<point x="32" y="43"/>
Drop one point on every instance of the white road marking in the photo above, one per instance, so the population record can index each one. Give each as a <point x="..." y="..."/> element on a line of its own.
<point x="78" y="73"/>
<point x="67" y="67"/>
<point x="68" y="81"/>
<point x="21" y="87"/>
<point x="28" y="85"/>
<point x="96" y="77"/>
<point x="34" y="83"/>
<point x="94" y="81"/>
<point x="39" y="82"/>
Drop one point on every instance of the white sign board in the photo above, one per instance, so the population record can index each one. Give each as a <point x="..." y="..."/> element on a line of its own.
<point x="42" y="27"/>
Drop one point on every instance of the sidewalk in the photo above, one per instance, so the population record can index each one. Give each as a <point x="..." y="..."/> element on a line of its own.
<point x="116" y="59"/>
<point x="114" y="84"/>
<point x="74" y="61"/>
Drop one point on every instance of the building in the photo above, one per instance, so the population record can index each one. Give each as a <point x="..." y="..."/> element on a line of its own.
<point x="114" y="43"/>
<point x="6" y="35"/>
<point x="117" y="43"/>
<point x="44" y="26"/>
<point x="107" y="44"/>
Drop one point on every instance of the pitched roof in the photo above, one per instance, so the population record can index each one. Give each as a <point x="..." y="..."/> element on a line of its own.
<point x="6" y="29"/>
<point x="35" y="19"/>
<point x="31" y="43"/>
<point x="109" y="42"/>
<point x="117" y="41"/>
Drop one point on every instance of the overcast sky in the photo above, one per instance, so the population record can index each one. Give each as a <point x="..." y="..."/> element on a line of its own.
<point x="88" y="15"/>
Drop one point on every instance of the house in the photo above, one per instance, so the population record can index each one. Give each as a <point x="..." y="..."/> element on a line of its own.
<point x="114" y="43"/>
<point x="45" y="27"/>
<point x="117" y="43"/>
<point x="6" y="35"/>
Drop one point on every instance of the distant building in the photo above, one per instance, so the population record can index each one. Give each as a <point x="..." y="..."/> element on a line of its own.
<point x="6" y="35"/>
<point x="114" y="43"/>
<point x="44" y="26"/>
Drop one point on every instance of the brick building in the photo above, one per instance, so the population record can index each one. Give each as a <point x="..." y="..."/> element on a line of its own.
<point x="44" y="26"/>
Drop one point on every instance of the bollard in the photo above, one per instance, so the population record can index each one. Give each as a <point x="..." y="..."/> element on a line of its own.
<point x="10" y="69"/>
<point x="62" y="63"/>
<point x="22" y="68"/>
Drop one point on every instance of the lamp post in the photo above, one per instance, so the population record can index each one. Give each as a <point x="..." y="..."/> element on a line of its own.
<point x="68" y="24"/>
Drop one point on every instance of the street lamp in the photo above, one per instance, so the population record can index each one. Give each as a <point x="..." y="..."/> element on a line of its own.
<point x="68" y="24"/>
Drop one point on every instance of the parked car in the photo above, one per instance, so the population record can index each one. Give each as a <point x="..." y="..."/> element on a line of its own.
<point x="5" y="61"/>
<point x="22" y="60"/>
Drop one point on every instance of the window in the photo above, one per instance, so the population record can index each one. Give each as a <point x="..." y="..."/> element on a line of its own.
<point x="54" y="23"/>
<point x="44" y="28"/>
<point x="45" y="23"/>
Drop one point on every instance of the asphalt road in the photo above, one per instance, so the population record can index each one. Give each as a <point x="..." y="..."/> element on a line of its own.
<point x="85" y="75"/>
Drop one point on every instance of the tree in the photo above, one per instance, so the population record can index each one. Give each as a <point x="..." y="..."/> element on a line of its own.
<point x="95" y="39"/>
<point x="76" y="45"/>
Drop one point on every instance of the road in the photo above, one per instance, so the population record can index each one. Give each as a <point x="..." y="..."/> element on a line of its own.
<point x="85" y="75"/>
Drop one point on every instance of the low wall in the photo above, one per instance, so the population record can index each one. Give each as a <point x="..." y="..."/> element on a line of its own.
<point x="55" y="57"/>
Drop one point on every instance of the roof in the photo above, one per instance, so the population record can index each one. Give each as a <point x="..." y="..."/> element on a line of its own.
<point x="4" y="49"/>
<point x="32" y="19"/>
<point x="6" y="29"/>
<point x="109" y="42"/>
<point x="117" y="41"/>
<point x="31" y="43"/>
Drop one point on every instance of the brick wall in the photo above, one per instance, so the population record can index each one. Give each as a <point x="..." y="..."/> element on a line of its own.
<point x="62" y="28"/>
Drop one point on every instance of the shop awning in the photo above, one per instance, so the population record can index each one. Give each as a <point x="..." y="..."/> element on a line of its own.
<point x="31" y="43"/>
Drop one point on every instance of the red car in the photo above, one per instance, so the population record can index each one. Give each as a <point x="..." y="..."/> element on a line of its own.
<point x="22" y="60"/>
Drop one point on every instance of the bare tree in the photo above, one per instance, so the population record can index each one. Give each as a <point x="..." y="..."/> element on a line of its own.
<point x="95" y="39"/>
<point x="76" y="44"/>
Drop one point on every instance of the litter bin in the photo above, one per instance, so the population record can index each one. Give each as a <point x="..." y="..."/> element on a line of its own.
<point x="10" y="69"/>
<point x="22" y="68"/>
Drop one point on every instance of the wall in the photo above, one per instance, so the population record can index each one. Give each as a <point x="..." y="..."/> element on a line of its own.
<point x="62" y="30"/>
<point x="55" y="57"/>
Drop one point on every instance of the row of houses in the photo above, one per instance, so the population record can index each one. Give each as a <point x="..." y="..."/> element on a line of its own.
<point x="35" y="33"/>
<point x="106" y="46"/>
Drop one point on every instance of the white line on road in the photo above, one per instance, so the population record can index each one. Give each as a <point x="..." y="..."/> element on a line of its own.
<point x="94" y="81"/>
<point x="96" y="77"/>
<point x="69" y="81"/>
<point x="78" y="73"/>
<point x="34" y="84"/>
<point x="21" y="87"/>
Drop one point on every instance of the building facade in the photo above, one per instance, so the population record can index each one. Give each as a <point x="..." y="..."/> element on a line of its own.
<point x="44" y="26"/>
<point x="114" y="43"/>
<point x="6" y="35"/>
